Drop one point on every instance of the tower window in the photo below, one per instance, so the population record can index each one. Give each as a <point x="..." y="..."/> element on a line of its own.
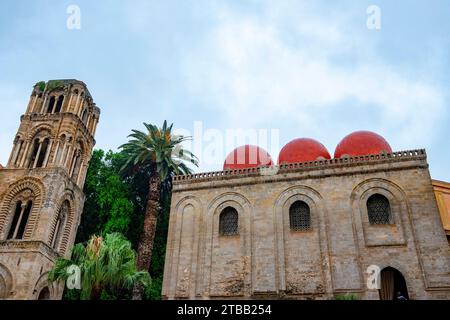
<point x="43" y="153"/>
<point x="51" y="104"/>
<point x="20" y="220"/>
<point x="229" y="222"/>
<point x="299" y="216"/>
<point x="39" y="153"/>
<point x="60" y="225"/>
<point x="84" y="116"/>
<point x="59" y="104"/>
<point x="379" y="209"/>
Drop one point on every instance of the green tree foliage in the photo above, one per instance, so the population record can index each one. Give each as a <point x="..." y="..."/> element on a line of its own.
<point x="105" y="189"/>
<point x="108" y="207"/>
<point x="108" y="266"/>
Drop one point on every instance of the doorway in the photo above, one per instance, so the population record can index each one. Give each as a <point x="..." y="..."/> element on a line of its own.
<point x="393" y="285"/>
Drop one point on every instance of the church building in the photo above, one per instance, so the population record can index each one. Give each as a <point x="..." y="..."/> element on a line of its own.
<point x="41" y="187"/>
<point x="369" y="222"/>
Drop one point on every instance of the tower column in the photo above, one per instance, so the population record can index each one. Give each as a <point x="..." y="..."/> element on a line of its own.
<point x="24" y="157"/>
<point x="19" y="221"/>
<point x="34" y="103"/>
<point x="80" y="174"/>
<point x="30" y="104"/>
<point x="12" y="156"/>
<point x="76" y="103"/>
<point x="66" y="162"/>
<point x="43" y="104"/>
<point x="70" y="101"/>
<point x="37" y="154"/>
<point x="63" y="153"/>
<point x="47" y="154"/>
<point x="55" y="154"/>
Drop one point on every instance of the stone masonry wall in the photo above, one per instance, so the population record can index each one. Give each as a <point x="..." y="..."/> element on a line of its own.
<point x="267" y="259"/>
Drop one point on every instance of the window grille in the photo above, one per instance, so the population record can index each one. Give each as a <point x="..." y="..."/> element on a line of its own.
<point x="300" y="216"/>
<point x="379" y="210"/>
<point x="229" y="222"/>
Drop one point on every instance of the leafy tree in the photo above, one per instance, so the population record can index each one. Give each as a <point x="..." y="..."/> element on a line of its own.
<point x="107" y="265"/>
<point x="161" y="154"/>
<point x="108" y="207"/>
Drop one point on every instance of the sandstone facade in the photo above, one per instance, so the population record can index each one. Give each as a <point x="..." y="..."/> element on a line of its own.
<point x="41" y="197"/>
<point x="267" y="258"/>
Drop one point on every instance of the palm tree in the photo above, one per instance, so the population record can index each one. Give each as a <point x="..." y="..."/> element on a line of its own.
<point x="159" y="150"/>
<point x="105" y="263"/>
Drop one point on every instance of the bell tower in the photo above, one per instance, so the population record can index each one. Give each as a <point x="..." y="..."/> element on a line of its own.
<point x="41" y="187"/>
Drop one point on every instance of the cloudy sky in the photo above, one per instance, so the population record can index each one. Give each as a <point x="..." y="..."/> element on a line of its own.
<point x="296" y="68"/>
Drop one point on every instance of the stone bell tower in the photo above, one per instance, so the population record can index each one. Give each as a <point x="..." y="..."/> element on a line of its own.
<point x="41" y="187"/>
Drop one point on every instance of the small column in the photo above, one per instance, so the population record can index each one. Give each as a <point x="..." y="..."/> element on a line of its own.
<point x="55" y="154"/>
<point x="66" y="162"/>
<point x="95" y="128"/>
<point x="36" y="97"/>
<point x="17" y="153"/>
<point x="73" y="163"/>
<point x="70" y="102"/>
<point x="22" y="210"/>
<point x="80" y="172"/>
<point x="13" y="153"/>
<point x="24" y="157"/>
<point x="83" y="175"/>
<point x="30" y="103"/>
<point x="38" y="154"/>
<point x="77" y="102"/>
<point x="63" y="153"/>
<point x="47" y="155"/>
<point x="43" y="104"/>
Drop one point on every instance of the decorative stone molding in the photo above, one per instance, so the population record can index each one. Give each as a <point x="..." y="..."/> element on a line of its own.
<point x="28" y="246"/>
<point x="37" y="190"/>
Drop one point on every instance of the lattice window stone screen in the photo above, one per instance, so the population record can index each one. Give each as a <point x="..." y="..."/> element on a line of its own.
<point x="299" y="216"/>
<point x="229" y="222"/>
<point x="379" y="210"/>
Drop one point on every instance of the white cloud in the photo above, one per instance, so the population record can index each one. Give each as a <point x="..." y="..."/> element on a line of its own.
<point x="294" y="62"/>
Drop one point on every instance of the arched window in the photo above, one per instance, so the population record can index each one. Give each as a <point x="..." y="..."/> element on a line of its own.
<point x="34" y="153"/>
<point x="51" y="104"/>
<point x="20" y="219"/>
<point x="299" y="216"/>
<point x="379" y="209"/>
<point x="229" y="222"/>
<point x="43" y="153"/>
<point x="39" y="153"/>
<point x="60" y="224"/>
<point x="84" y="116"/>
<point x="59" y="104"/>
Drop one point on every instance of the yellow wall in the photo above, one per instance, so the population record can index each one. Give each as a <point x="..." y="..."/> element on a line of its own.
<point x="442" y="192"/>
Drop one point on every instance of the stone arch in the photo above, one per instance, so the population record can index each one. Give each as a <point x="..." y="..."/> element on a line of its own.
<point x="37" y="189"/>
<point x="187" y="219"/>
<point x="40" y="128"/>
<point x="6" y="282"/>
<point x="316" y="235"/>
<point x="373" y="235"/>
<point x="41" y="285"/>
<point x="61" y="247"/>
<point x="239" y="281"/>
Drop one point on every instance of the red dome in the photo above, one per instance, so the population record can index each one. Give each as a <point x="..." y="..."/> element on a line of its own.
<point x="302" y="150"/>
<point x="362" y="143"/>
<point x="247" y="156"/>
